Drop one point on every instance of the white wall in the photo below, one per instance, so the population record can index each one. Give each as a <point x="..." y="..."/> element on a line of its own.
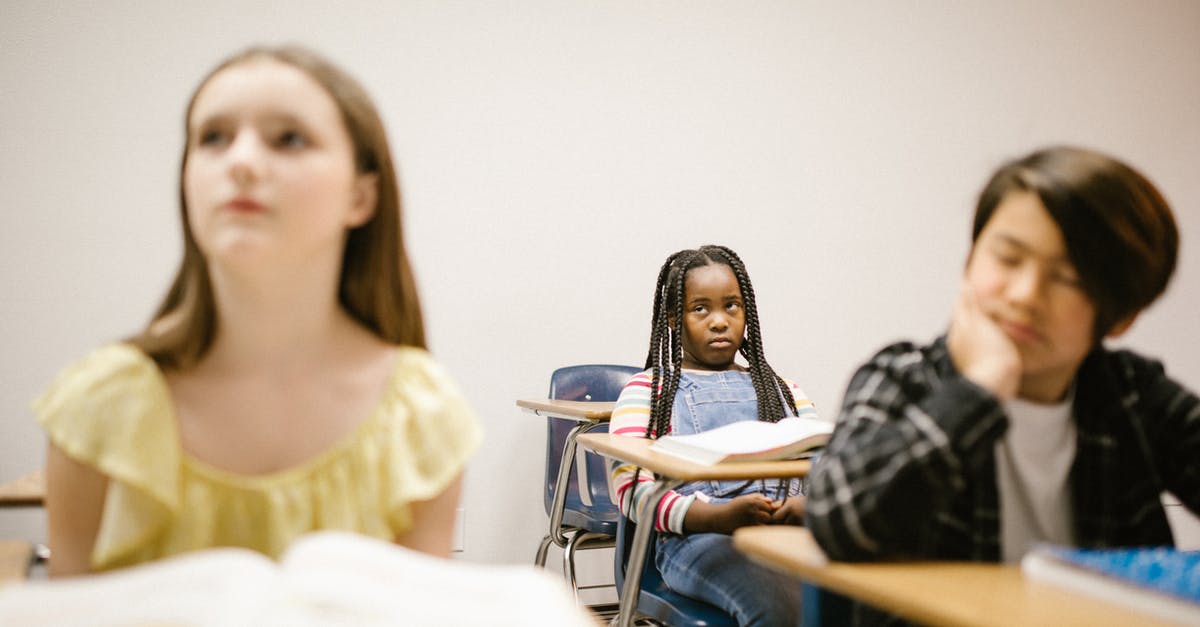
<point x="554" y="152"/>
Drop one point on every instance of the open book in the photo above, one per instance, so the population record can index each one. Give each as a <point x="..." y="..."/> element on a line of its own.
<point x="749" y="441"/>
<point x="325" y="578"/>
<point x="1161" y="581"/>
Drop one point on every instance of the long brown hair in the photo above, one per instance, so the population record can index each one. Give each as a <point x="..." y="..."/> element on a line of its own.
<point x="376" y="286"/>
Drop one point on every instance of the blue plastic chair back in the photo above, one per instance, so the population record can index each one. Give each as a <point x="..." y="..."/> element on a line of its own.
<point x="658" y="601"/>
<point x="589" y="382"/>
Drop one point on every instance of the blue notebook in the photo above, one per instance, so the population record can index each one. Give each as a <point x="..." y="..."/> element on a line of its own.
<point x="1157" y="580"/>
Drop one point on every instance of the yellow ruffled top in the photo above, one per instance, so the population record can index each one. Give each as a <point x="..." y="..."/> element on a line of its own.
<point x="112" y="410"/>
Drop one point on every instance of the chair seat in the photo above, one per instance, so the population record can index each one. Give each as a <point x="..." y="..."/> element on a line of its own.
<point x="601" y="519"/>
<point x="672" y="608"/>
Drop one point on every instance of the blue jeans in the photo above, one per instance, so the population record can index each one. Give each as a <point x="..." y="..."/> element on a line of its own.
<point x="706" y="566"/>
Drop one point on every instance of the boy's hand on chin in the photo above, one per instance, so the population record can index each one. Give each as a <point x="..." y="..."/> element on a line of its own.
<point x="981" y="350"/>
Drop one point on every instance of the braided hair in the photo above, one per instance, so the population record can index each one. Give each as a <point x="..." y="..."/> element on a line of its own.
<point x="665" y="357"/>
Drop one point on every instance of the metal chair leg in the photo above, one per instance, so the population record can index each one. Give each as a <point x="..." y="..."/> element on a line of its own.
<point x="583" y="540"/>
<point x="543" y="548"/>
<point x="569" y="562"/>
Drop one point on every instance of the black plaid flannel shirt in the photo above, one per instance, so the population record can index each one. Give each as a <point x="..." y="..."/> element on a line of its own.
<point x="910" y="471"/>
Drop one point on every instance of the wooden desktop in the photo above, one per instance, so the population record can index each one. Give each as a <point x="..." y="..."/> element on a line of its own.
<point x="959" y="594"/>
<point x="26" y="491"/>
<point x="16" y="556"/>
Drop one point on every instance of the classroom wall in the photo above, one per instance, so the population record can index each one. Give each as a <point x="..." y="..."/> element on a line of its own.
<point x="553" y="152"/>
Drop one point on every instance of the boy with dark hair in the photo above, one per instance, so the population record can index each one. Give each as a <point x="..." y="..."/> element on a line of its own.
<point x="1018" y="426"/>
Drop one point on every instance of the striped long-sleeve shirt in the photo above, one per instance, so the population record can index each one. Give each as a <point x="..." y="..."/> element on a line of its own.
<point x="629" y="418"/>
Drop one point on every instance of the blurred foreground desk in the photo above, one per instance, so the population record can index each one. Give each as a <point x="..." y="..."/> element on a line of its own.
<point x="670" y="472"/>
<point x="16" y="556"/>
<point x="27" y="491"/>
<point x="934" y="593"/>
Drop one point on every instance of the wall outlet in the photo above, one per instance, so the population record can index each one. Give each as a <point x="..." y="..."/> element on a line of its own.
<point x="460" y="531"/>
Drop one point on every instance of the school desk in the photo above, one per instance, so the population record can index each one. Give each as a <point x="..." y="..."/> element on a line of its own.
<point x="15" y="558"/>
<point x="587" y="414"/>
<point x="27" y="491"/>
<point x="670" y="472"/>
<point x="960" y="594"/>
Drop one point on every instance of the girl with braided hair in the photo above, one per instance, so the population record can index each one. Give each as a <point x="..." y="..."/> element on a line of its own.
<point x="704" y="314"/>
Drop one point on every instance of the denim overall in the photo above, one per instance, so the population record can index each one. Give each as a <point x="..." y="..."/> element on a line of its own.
<point x="705" y="565"/>
<point x="707" y="401"/>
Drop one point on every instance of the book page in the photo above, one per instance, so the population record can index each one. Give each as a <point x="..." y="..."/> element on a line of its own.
<point x="744" y="437"/>
<point x="225" y="586"/>
<point x="326" y="579"/>
<point x="352" y="580"/>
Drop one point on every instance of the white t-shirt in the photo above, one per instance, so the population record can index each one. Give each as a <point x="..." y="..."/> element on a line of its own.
<point x="1033" y="464"/>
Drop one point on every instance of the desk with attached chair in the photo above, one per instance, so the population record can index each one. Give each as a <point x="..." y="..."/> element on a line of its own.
<point x="670" y="472"/>
<point x="18" y="556"/>
<point x="575" y="494"/>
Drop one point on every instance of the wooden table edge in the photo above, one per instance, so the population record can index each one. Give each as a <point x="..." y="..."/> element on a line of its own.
<point x="27" y="490"/>
<point x="579" y="410"/>
<point x="795" y="551"/>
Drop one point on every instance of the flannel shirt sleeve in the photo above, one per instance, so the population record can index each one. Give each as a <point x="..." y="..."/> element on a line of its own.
<point x="1172" y="416"/>
<point x="909" y="432"/>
